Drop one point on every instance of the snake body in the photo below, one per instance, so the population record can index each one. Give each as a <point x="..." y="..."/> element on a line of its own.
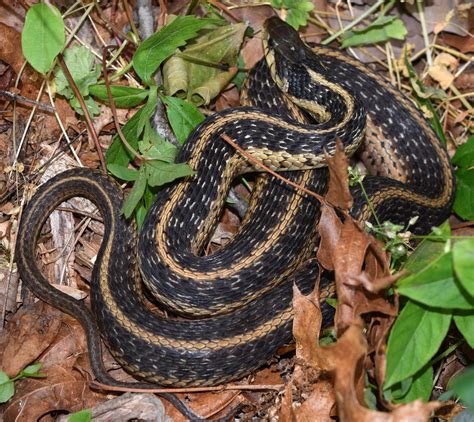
<point x="228" y="312"/>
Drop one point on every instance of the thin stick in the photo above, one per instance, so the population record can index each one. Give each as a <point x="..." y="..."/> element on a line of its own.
<point x="21" y="99"/>
<point x="247" y="387"/>
<point x="90" y="126"/>
<point x="113" y="108"/>
<point x="267" y="169"/>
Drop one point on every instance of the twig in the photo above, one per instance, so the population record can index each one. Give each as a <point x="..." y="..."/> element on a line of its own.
<point x="20" y="98"/>
<point x="122" y="137"/>
<point x="63" y="129"/>
<point x="359" y="19"/>
<point x="424" y="31"/>
<point x="225" y="9"/>
<point x="267" y="169"/>
<point x="247" y="387"/>
<point x="90" y="126"/>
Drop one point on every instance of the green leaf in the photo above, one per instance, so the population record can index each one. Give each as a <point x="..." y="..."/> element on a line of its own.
<point x="414" y="339"/>
<point x="192" y="74"/>
<point x="42" y="37"/>
<point x="419" y="92"/>
<point x="155" y="148"/>
<point x="420" y="386"/>
<point x="31" y="370"/>
<point x="123" y="173"/>
<point x="428" y="251"/>
<point x="164" y="43"/>
<point x="463" y="386"/>
<point x="7" y="387"/>
<point x="147" y="111"/>
<point x="463" y="261"/>
<point x="81" y="416"/>
<point x="464" y="201"/>
<point x="160" y="173"/>
<point x="382" y="29"/>
<point x="183" y="116"/>
<point x="464" y="156"/>
<point x="123" y="96"/>
<point x="81" y="64"/>
<point x="140" y="213"/>
<point x="426" y="286"/>
<point x="465" y="323"/>
<point x="92" y="107"/>
<point x="297" y="11"/>
<point x="136" y="193"/>
<point x="241" y="75"/>
<point x="117" y="152"/>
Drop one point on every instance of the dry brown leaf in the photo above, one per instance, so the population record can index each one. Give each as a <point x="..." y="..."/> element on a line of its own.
<point x="9" y="51"/>
<point x="30" y="333"/>
<point x="286" y="408"/>
<point x="361" y="272"/>
<point x="464" y="44"/>
<point x="330" y="227"/>
<point x="65" y="395"/>
<point x="338" y="193"/>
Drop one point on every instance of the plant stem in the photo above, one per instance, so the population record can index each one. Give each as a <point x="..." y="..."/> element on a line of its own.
<point x="356" y="21"/>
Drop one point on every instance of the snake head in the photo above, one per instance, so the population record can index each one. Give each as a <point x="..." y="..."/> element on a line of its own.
<point x="282" y="39"/>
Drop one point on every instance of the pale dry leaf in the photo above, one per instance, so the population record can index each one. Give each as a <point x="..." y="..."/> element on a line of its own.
<point x="442" y="69"/>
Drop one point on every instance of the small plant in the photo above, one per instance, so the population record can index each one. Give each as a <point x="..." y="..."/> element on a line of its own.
<point x="7" y="384"/>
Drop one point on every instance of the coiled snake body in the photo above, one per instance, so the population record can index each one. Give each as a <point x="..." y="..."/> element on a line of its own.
<point x="231" y="310"/>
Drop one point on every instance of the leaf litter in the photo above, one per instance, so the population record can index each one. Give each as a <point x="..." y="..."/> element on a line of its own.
<point x="326" y="381"/>
<point x="337" y="372"/>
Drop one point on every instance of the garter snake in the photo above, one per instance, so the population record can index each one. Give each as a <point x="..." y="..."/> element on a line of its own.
<point x="228" y="312"/>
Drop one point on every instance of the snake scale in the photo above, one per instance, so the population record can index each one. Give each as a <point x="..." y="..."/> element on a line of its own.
<point x="228" y="312"/>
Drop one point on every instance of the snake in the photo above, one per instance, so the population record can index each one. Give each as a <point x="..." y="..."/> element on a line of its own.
<point x="174" y="316"/>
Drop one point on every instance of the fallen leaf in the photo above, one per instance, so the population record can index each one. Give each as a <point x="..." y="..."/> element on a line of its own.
<point x="30" y="333"/>
<point x="338" y="193"/>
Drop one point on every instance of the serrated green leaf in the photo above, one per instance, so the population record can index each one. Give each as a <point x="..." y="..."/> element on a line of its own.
<point x="381" y="30"/>
<point x="464" y="201"/>
<point x="159" y="173"/>
<point x="136" y="193"/>
<point x="464" y="156"/>
<point x="158" y="150"/>
<point x="297" y="18"/>
<point x="157" y="48"/>
<point x="122" y="173"/>
<point x="465" y="323"/>
<point x="81" y="64"/>
<point x="414" y="339"/>
<point x="118" y="152"/>
<point x="463" y="386"/>
<point x="92" y="107"/>
<point x="42" y="37"/>
<point x="123" y="96"/>
<point x="425" y="286"/>
<point x="463" y="261"/>
<point x="183" y="116"/>
<point x="147" y="111"/>
<point x="81" y="416"/>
